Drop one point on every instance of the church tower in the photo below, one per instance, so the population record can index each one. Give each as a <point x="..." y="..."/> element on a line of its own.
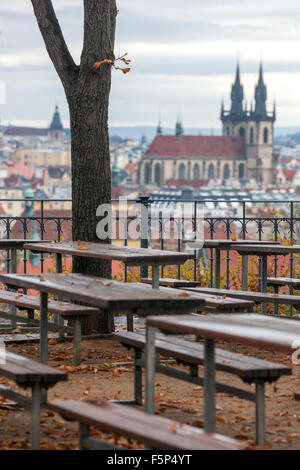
<point x="56" y="127"/>
<point x="256" y="125"/>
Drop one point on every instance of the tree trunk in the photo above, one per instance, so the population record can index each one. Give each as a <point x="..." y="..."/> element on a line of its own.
<point x="91" y="177"/>
<point x="87" y="90"/>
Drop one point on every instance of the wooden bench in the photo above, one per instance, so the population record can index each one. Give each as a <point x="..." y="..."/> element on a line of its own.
<point x="249" y="369"/>
<point x="66" y="310"/>
<point x="276" y="282"/>
<point x="167" y="282"/>
<point x="29" y="374"/>
<point x="284" y="281"/>
<point x="153" y="431"/>
<point x="257" y="297"/>
<point x="212" y="302"/>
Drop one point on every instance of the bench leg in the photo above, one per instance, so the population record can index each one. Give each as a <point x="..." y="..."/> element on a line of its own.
<point x="275" y="306"/>
<point x="263" y="281"/>
<point x="137" y="377"/>
<point x="30" y="314"/>
<point x="36" y="416"/>
<point x="44" y="328"/>
<point x="260" y="413"/>
<point x="129" y="322"/>
<point x="155" y="276"/>
<point x="209" y="386"/>
<point x="77" y="341"/>
<point x="244" y="273"/>
<point x="84" y="433"/>
<point x="150" y="370"/>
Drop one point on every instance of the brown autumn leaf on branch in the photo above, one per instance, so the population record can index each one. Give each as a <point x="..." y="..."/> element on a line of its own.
<point x="123" y="70"/>
<point x="104" y="61"/>
<point x="97" y="65"/>
<point x="126" y="61"/>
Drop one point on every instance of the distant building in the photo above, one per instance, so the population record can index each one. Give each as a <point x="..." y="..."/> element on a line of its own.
<point x="56" y="127"/>
<point x="245" y="151"/>
<point x="255" y="126"/>
<point x="54" y="133"/>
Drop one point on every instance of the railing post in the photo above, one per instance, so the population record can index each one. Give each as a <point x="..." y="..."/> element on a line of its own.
<point x="144" y="201"/>
<point x="291" y="290"/>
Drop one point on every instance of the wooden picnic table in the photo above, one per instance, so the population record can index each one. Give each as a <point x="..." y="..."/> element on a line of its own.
<point x="228" y="245"/>
<point x="212" y="302"/>
<point x="263" y="251"/>
<point x="13" y="245"/>
<point x="128" y="255"/>
<point x="116" y="297"/>
<point x="251" y="329"/>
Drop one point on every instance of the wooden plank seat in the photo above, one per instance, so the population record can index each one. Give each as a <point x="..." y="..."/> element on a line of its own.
<point x="29" y="374"/>
<point x="283" y="281"/>
<point x="212" y="302"/>
<point x="257" y="297"/>
<point x="167" y="282"/>
<point x="155" y="432"/>
<point x="277" y="282"/>
<point x="66" y="310"/>
<point x="249" y="369"/>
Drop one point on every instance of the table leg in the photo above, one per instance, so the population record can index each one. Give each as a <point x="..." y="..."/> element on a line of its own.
<point x="129" y="322"/>
<point x="58" y="319"/>
<point x="77" y="341"/>
<point x="150" y="370"/>
<point x="155" y="276"/>
<point x="44" y="328"/>
<point x="260" y="413"/>
<point x="263" y="281"/>
<point x="209" y="386"/>
<point x="244" y="272"/>
<point x="35" y="416"/>
<point x="217" y="267"/>
<point x="13" y="269"/>
<point x="275" y="305"/>
<point x="58" y="262"/>
<point x="137" y="377"/>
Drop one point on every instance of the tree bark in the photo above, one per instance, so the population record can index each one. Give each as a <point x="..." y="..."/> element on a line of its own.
<point x="87" y="91"/>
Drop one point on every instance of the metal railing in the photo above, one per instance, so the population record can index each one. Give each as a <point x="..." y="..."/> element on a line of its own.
<point x="282" y="223"/>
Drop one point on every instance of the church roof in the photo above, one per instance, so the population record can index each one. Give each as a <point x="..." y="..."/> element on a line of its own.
<point x="56" y="124"/>
<point x="14" y="131"/>
<point x="197" y="146"/>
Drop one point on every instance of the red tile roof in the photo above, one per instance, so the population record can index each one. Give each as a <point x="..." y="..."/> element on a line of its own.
<point x="21" y="170"/>
<point x="130" y="168"/>
<point x="197" y="146"/>
<point x="25" y="131"/>
<point x="289" y="174"/>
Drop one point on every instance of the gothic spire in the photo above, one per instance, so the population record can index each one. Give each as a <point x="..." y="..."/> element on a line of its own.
<point x="260" y="95"/>
<point x="159" y="128"/>
<point x="222" y="109"/>
<point x="237" y="94"/>
<point x="179" y="128"/>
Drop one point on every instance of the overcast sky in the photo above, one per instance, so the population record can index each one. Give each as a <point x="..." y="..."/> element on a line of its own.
<point x="184" y="56"/>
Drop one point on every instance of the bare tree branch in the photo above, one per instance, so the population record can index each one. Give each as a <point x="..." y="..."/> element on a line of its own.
<point x="99" y="31"/>
<point x="54" y="41"/>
